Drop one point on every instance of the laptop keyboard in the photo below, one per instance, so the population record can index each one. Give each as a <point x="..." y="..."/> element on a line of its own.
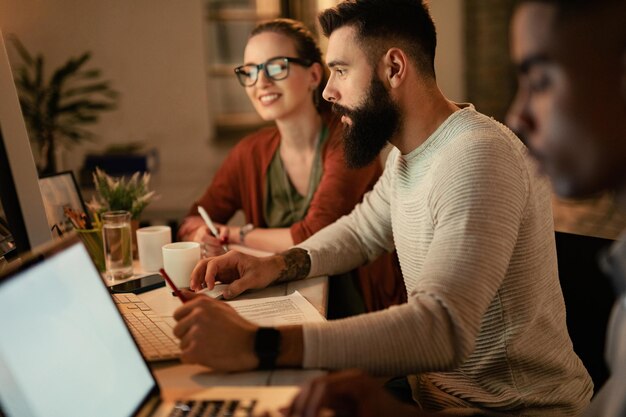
<point x="213" y="408"/>
<point x="152" y="333"/>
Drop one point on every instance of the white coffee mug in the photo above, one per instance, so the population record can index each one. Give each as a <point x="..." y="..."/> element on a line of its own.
<point x="179" y="259"/>
<point x="150" y="240"/>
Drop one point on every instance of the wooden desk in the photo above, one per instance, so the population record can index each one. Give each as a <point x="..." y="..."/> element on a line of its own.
<point x="315" y="290"/>
<point x="178" y="379"/>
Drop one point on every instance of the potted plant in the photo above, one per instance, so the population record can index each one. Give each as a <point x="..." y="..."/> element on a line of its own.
<point x="57" y="108"/>
<point x="120" y="193"/>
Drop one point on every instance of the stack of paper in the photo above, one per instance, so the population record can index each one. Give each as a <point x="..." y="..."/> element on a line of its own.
<point x="276" y="311"/>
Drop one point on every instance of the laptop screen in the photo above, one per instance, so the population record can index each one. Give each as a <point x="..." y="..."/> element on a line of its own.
<point x="65" y="350"/>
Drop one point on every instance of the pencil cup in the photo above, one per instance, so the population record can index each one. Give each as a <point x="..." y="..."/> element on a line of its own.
<point x="150" y="240"/>
<point x="92" y="239"/>
<point x="117" y="240"/>
<point x="179" y="259"/>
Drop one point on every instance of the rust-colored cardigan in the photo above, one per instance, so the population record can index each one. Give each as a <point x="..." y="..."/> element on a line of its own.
<point x="240" y="184"/>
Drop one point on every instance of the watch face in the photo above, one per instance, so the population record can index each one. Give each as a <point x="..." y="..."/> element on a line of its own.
<point x="244" y="231"/>
<point x="267" y="346"/>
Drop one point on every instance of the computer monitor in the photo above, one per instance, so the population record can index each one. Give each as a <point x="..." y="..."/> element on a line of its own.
<point x="20" y="196"/>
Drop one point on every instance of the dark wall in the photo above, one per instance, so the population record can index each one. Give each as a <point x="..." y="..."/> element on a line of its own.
<point x="490" y="76"/>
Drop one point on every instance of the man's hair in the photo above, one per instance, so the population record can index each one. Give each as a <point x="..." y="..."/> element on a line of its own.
<point x="306" y="48"/>
<point x="380" y="24"/>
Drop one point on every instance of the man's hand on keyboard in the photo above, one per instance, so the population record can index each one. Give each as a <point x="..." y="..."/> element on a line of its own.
<point x="211" y="333"/>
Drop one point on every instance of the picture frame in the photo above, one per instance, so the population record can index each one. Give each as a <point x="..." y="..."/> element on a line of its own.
<point x="7" y="243"/>
<point x="60" y="192"/>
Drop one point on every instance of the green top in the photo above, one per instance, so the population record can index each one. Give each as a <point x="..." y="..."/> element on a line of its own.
<point x="284" y="206"/>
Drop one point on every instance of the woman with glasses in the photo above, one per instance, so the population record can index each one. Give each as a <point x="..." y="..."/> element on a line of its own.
<point x="290" y="180"/>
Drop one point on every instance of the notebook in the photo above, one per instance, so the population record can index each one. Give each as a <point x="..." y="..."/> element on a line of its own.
<point x="65" y="350"/>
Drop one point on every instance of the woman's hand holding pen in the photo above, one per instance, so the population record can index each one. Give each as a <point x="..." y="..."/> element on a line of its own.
<point x="212" y="246"/>
<point x="194" y="229"/>
<point x="189" y="226"/>
<point x="237" y="269"/>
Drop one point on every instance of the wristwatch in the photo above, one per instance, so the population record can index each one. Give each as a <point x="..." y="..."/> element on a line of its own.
<point x="267" y="346"/>
<point x="244" y="230"/>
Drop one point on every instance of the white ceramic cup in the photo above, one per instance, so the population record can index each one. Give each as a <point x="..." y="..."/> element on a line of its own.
<point x="150" y="240"/>
<point x="179" y="259"/>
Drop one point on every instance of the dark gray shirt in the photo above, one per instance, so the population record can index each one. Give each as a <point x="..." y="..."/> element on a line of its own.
<point x="610" y="401"/>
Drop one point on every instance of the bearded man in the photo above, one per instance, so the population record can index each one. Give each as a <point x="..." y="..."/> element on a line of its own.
<point x="483" y="331"/>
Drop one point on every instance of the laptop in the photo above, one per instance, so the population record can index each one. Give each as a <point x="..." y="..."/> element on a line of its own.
<point x="65" y="350"/>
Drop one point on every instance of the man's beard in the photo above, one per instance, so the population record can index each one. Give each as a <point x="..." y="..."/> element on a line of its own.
<point x="373" y="124"/>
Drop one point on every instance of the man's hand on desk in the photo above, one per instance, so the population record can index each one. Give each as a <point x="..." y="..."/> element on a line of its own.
<point x="211" y="333"/>
<point x="240" y="271"/>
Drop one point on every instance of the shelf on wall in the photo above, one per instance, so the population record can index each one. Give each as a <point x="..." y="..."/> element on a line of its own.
<point x="221" y="70"/>
<point x="229" y="15"/>
<point x="228" y="24"/>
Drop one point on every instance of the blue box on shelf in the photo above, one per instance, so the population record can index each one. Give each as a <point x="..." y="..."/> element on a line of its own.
<point x="118" y="164"/>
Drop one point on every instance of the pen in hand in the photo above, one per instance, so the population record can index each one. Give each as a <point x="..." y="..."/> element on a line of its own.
<point x="210" y="225"/>
<point x="177" y="292"/>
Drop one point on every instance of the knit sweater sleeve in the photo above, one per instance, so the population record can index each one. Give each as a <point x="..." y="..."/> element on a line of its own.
<point x="475" y="200"/>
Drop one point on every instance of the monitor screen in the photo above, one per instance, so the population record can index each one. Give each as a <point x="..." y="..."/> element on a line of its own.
<point x="20" y="197"/>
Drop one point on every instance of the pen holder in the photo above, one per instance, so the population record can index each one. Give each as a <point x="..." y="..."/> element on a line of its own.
<point x="92" y="239"/>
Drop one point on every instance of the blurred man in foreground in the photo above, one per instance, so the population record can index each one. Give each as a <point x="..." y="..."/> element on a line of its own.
<point x="570" y="110"/>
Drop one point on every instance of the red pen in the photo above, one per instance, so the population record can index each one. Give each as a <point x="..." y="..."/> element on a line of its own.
<point x="177" y="292"/>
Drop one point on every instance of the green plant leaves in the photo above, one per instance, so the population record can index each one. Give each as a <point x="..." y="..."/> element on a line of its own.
<point x="119" y="193"/>
<point x="54" y="108"/>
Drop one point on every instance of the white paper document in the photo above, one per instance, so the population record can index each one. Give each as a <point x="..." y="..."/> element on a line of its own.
<point x="276" y="311"/>
<point x="216" y="292"/>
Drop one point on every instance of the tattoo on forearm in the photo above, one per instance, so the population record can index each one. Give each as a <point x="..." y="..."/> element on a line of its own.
<point x="297" y="265"/>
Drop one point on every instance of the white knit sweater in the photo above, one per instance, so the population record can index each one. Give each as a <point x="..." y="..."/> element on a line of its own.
<point x="484" y="326"/>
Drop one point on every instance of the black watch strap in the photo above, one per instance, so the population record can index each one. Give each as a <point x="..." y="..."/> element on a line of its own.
<point x="267" y="346"/>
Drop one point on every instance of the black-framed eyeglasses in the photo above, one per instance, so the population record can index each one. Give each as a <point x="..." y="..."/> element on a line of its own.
<point x="276" y="68"/>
